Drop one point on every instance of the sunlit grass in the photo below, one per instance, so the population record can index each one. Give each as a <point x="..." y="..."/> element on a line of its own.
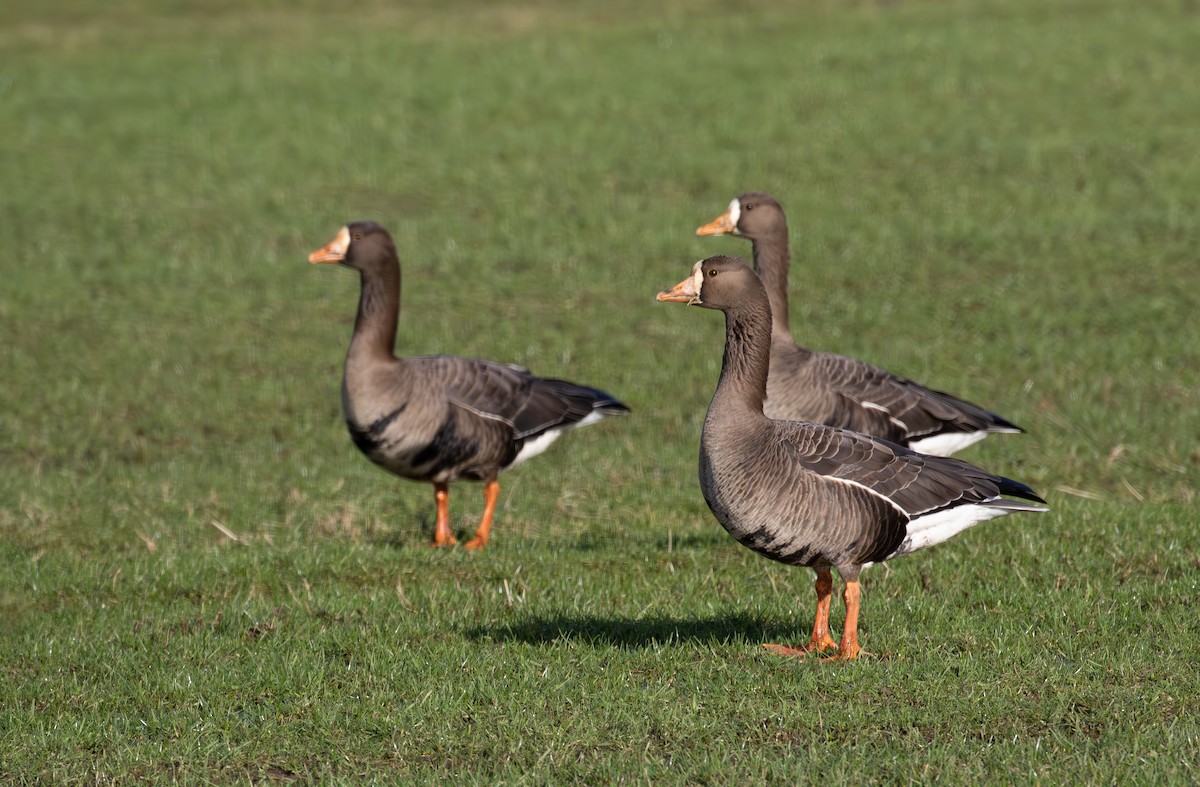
<point x="998" y="199"/>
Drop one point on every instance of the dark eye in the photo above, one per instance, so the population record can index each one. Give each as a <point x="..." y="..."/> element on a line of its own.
<point x="748" y="206"/>
<point x="358" y="235"/>
<point x="712" y="272"/>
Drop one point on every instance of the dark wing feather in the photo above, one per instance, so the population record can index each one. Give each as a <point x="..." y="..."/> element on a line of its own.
<point x="915" y="483"/>
<point x="552" y="403"/>
<point x="922" y="411"/>
<point x="529" y="404"/>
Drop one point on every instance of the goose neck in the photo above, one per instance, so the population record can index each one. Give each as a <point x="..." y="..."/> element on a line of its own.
<point x="378" y="313"/>
<point x="771" y="261"/>
<point x="743" y="382"/>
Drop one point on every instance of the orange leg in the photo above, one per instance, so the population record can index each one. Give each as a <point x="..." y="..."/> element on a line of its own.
<point x="491" y="493"/>
<point x="820" y="639"/>
<point x="848" y="650"/>
<point x="441" y="531"/>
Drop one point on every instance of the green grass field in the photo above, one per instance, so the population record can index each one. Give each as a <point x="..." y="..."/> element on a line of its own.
<point x="202" y="581"/>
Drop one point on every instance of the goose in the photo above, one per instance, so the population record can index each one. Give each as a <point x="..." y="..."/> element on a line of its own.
<point x="441" y="418"/>
<point x="824" y="388"/>
<point x="813" y="495"/>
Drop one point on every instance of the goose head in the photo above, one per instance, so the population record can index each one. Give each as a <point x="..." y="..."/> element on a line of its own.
<point x="361" y="245"/>
<point x="719" y="282"/>
<point x="752" y="215"/>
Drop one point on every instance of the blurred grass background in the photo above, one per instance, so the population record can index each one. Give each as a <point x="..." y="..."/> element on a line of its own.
<point x="998" y="199"/>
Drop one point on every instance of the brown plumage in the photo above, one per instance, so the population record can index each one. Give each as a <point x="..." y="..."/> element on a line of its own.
<point x="813" y="495"/>
<point x="823" y="388"/>
<point x="442" y="418"/>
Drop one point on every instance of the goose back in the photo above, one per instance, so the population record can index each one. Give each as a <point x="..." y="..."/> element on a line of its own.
<point x="834" y="390"/>
<point x="439" y="418"/>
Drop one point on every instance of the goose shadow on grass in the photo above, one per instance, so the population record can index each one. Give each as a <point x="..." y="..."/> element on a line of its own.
<point x="628" y="633"/>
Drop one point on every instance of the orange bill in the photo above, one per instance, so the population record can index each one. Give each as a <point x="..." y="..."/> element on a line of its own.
<point x="721" y="225"/>
<point x="334" y="251"/>
<point x="686" y="291"/>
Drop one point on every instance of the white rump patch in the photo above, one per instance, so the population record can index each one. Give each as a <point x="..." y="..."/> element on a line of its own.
<point x="947" y="443"/>
<point x="594" y="417"/>
<point x="536" y="445"/>
<point x="925" y="531"/>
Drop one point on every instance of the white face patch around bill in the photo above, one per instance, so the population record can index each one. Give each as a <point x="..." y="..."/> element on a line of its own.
<point x="697" y="280"/>
<point x="342" y="241"/>
<point x="735" y="213"/>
